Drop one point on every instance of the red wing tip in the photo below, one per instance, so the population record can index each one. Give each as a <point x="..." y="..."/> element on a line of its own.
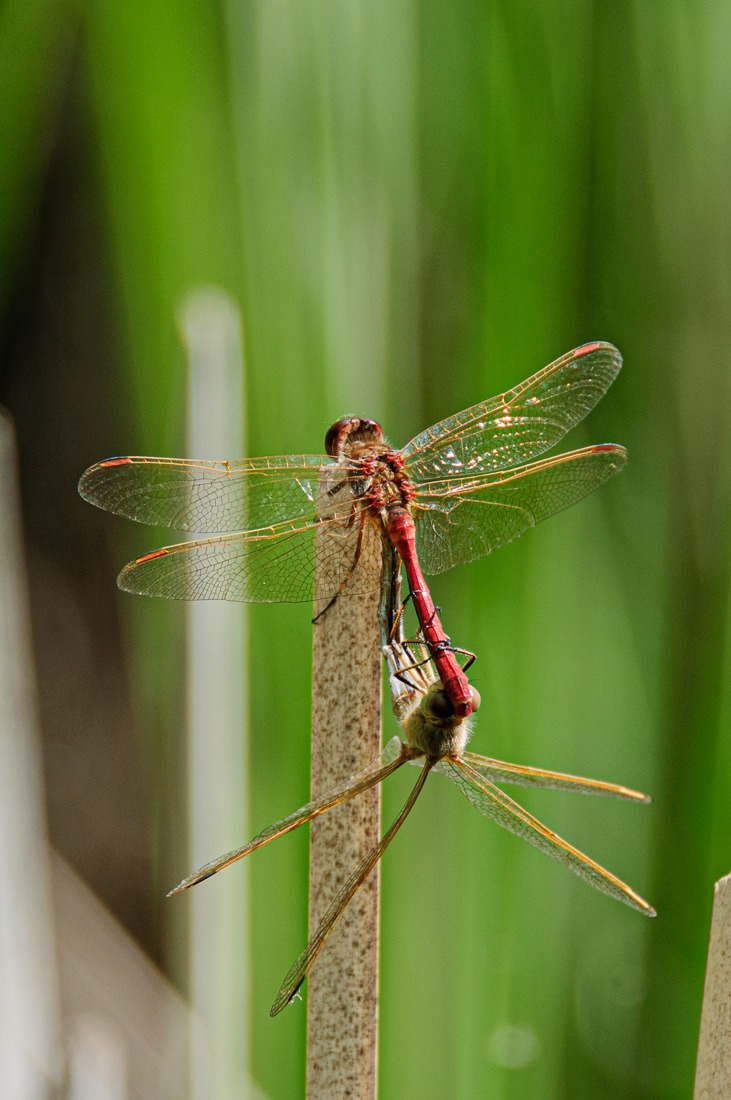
<point x="611" y="447"/>
<point x="595" y="345"/>
<point x="587" y="349"/>
<point x="115" y="462"/>
<point x="149" y="557"/>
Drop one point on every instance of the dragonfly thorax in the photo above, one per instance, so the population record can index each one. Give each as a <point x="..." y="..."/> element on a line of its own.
<point x="381" y="480"/>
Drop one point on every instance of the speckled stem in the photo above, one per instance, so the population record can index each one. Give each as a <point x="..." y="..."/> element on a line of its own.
<point x="713" y="1072"/>
<point x="342" y="1017"/>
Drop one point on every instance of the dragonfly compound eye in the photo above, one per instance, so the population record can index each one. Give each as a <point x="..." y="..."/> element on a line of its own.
<point x="476" y="699"/>
<point x="334" y="435"/>
<point x="437" y="706"/>
<point x="352" y="429"/>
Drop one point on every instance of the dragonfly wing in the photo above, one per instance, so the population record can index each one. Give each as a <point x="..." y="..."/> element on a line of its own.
<point x="301" y="968"/>
<point x="267" y="566"/>
<point x="520" y="775"/>
<point x="198" y="495"/>
<point x="500" y="808"/>
<point x="390" y="759"/>
<point x="514" y="427"/>
<point x="463" y="519"/>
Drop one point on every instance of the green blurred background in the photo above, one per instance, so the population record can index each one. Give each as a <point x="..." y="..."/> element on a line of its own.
<point x="415" y="206"/>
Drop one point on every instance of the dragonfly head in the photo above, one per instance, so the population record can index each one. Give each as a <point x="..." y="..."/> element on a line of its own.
<point x="351" y="429"/>
<point x="437" y="706"/>
<point x="433" y="728"/>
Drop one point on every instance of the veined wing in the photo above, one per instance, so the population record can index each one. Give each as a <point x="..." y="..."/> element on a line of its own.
<point x="499" y="807"/>
<point x="390" y="759"/>
<point x="200" y="495"/>
<point x="520" y="775"/>
<point x="514" y="427"/>
<point x="460" y="519"/>
<point x="274" y="565"/>
<point x="302" y="966"/>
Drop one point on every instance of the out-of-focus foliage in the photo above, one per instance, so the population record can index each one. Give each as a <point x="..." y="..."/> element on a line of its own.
<point x="418" y="205"/>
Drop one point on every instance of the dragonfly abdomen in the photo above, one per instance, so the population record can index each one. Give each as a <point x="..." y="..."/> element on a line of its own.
<point x="399" y="526"/>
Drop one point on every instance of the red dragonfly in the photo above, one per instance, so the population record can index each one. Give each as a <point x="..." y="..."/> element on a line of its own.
<point x="457" y="491"/>
<point x="434" y="739"/>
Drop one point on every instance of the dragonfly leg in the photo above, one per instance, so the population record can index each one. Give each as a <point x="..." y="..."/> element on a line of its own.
<point x="397" y="625"/>
<point x="414" y="666"/>
<point x="401" y="676"/>
<point x="471" y="657"/>
<point x="407" y="597"/>
<point x="446" y="644"/>
<point x="336" y="488"/>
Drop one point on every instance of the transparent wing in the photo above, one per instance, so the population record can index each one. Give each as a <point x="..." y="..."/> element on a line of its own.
<point x="295" y="977"/>
<point x="518" y="425"/>
<point x="465" y="518"/>
<point x="498" y="771"/>
<point x="390" y="759"/>
<point x="198" y="495"/>
<point x="273" y="566"/>
<point x="500" y="808"/>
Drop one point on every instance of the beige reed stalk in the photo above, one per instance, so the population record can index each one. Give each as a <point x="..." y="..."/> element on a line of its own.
<point x="342" y="999"/>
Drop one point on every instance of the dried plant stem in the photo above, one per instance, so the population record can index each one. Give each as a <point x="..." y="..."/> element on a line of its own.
<point x="713" y="1072"/>
<point x="342" y="1024"/>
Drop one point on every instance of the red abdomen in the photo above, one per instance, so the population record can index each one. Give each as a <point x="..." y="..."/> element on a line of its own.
<point x="400" y="529"/>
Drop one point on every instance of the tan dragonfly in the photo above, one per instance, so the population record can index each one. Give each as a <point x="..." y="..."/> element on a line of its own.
<point x="434" y="739"/>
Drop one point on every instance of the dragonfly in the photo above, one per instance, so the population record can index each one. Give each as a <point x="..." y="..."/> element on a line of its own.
<point x="434" y="738"/>
<point x="459" y="490"/>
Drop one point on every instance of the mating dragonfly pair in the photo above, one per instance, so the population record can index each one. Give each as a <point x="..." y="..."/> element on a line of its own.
<point x="457" y="491"/>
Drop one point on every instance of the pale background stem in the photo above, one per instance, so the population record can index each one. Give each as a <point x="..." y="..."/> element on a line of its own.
<point x="217" y="705"/>
<point x="30" y="1023"/>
